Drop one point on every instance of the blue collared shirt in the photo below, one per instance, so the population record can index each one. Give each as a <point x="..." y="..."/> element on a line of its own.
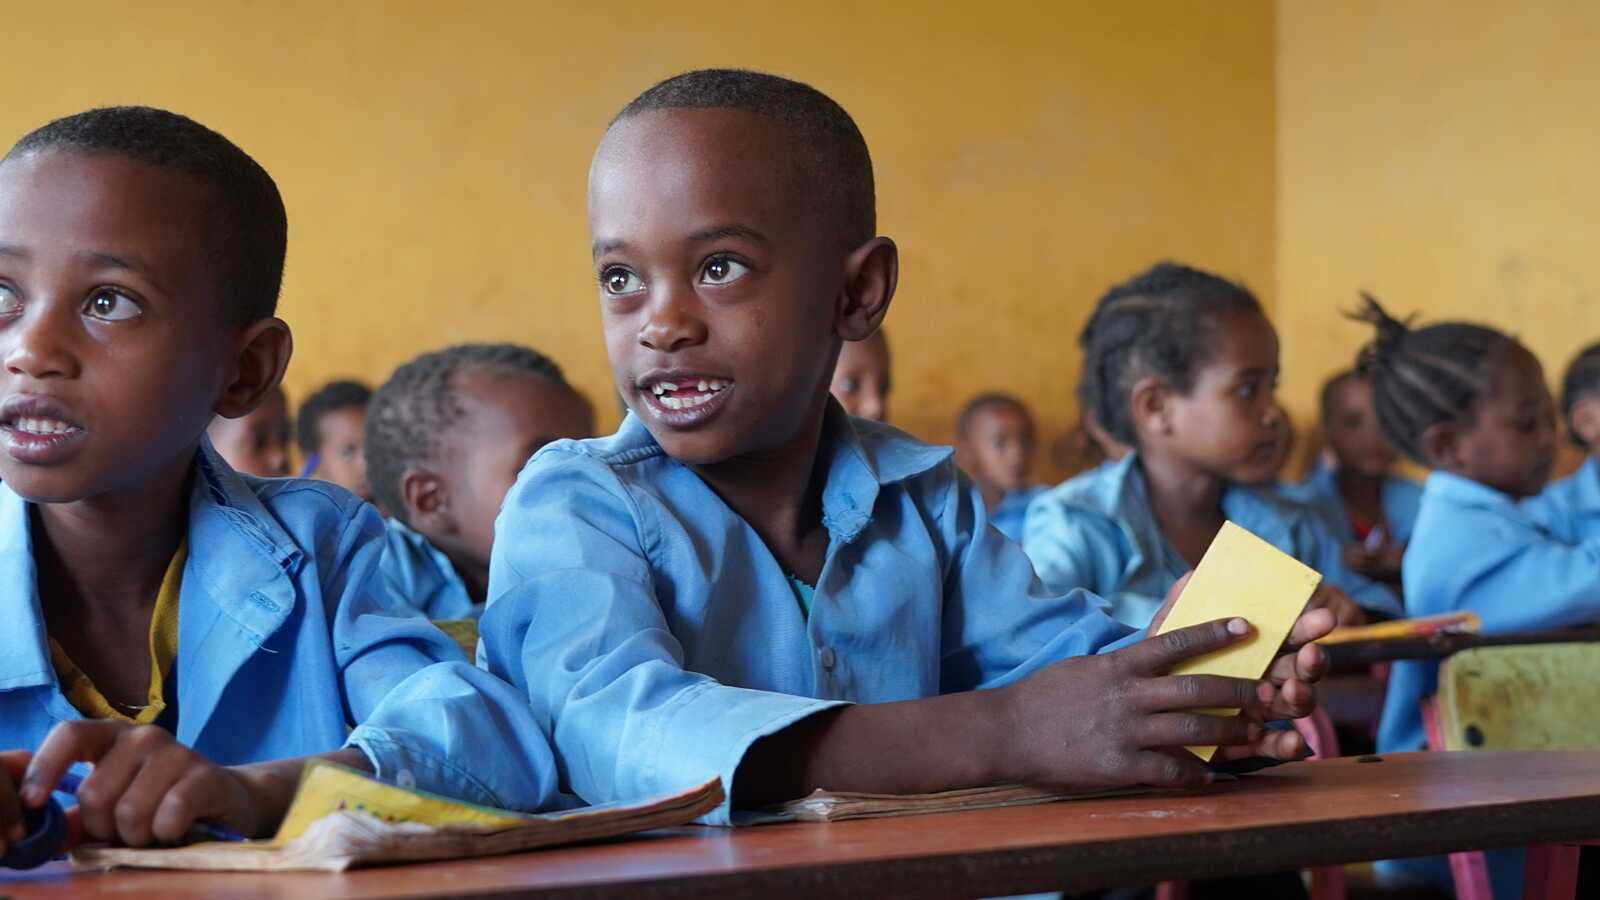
<point x="1098" y="531"/>
<point x="281" y="640"/>
<point x="417" y="575"/>
<point x="655" y="636"/>
<point x="1009" y="516"/>
<point x="1571" y="507"/>
<point x="1401" y="499"/>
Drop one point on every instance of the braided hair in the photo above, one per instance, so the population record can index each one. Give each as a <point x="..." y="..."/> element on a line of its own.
<point x="1160" y="322"/>
<point x="418" y="403"/>
<point x="1424" y="376"/>
<point x="1582" y="380"/>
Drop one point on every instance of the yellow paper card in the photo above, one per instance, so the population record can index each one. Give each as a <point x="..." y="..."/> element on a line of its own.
<point x="328" y="787"/>
<point x="1242" y="576"/>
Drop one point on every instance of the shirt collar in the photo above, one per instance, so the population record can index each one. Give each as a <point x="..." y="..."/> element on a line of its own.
<point x="1251" y="508"/>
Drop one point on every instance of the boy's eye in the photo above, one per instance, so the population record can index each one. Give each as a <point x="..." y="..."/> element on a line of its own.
<point x="722" y="270"/>
<point x="616" y="280"/>
<point x="1246" y="390"/>
<point x="9" y="301"/>
<point x="112" y="306"/>
<point x="850" y="384"/>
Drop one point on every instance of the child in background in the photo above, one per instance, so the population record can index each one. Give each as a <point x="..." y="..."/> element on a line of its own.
<point x="861" y="381"/>
<point x="1182" y="365"/>
<point x="257" y="442"/>
<point x="331" y="430"/>
<point x="1373" y="509"/>
<point x="1571" y="506"/>
<point x="1471" y="404"/>
<point x="164" y="616"/>
<point x="994" y="446"/>
<point x="446" y="436"/>
<point x="744" y="581"/>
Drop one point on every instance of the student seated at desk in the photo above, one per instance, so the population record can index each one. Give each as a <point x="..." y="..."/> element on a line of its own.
<point x="256" y="443"/>
<point x="164" y="615"/>
<point x="746" y="582"/>
<point x="1181" y="366"/>
<point x="1373" y="509"/>
<point x="446" y="436"/>
<point x="1571" y="506"/>
<point x="994" y="447"/>
<point x="330" y="428"/>
<point x="1470" y="403"/>
<point x="861" y="381"/>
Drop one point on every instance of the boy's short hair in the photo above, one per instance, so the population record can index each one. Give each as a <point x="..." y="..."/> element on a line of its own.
<point x="1582" y="380"/>
<point x="418" y="403"/>
<point x="248" y="228"/>
<point x="987" y="401"/>
<point x="331" y="396"/>
<point x="838" y="163"/>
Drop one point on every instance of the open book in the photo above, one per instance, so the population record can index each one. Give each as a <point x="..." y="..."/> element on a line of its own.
<point x="341" y="818"/>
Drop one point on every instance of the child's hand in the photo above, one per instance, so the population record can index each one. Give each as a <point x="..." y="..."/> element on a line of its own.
<point x="12" y="764"/>
<point x="145" y="787"/>
<point x="1345" y="611"/>
<point x="1116" y="719"/>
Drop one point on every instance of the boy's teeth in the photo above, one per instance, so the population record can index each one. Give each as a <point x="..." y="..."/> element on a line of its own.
<point x="42" y="426"/>
<point x="703" y="387"/>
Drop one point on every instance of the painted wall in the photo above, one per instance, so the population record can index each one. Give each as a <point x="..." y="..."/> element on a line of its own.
<point x="1441" y="155"/>
<point x="433" y="156"/>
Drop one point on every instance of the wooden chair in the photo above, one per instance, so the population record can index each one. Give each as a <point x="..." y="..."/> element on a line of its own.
<point x="1534" y="697"/>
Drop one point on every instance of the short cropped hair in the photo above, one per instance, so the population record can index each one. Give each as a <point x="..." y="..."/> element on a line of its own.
<point x="837" y="162"/>
<point x="331" y="396"/>
<point x="418" y="403"/>
<point x="247" y="231"/>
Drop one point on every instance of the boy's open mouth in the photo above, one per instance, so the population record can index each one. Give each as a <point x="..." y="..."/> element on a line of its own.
<point x="37" y="429"/>
<point x="684" y="399"/>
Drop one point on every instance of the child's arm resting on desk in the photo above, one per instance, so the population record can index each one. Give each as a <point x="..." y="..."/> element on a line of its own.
<point x="148" y="788"/>
<point x="1109" y="720"/>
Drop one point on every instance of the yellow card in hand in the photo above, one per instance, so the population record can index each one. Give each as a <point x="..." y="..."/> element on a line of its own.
<point x="1242" y="576"/>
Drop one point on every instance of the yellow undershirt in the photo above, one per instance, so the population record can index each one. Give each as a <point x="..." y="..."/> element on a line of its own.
<point x="82" y="693"/>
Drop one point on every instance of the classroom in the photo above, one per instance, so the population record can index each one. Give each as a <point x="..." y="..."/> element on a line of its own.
<point x="519" y="448"/>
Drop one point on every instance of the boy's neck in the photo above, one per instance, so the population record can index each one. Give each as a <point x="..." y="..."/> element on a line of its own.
<point x="106" y="555"/>
<point x="992" y="495"/>
<point x="1357" y="487"/>
<point x="779" y="492"/>
<point x="474" y="577"/>
<point x="1186" y="503"/>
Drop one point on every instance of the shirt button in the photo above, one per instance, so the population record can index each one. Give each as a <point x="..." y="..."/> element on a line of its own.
<point x="827" y="659"/>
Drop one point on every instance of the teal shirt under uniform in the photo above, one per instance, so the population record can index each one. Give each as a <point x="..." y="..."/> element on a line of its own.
<point x="1097" y="531"/>
<point x="655" y="636"/>
<point x="282" y="640"/>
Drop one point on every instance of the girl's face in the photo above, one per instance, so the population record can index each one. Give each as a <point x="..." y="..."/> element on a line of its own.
<point x="1229" y="423"/>
<point x="1350" y="424"/>
<point x="1510" y="442"/>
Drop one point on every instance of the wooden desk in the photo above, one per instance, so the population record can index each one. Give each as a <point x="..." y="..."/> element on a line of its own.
<point x="1359" y="656"/>
<point x="1304" y="814"/>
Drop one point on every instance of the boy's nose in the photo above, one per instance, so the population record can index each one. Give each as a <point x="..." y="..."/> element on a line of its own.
<point x="673" y="323"/>
<point x="36" y="348"/>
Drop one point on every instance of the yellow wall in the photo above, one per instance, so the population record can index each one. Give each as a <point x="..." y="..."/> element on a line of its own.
<point x="1443" y="156"/>
<point x="433" y="156"/>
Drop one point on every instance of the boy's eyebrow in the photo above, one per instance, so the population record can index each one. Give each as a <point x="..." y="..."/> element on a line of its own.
<point x="602" y="247"/>
<point x="15" y="250"/>
<point x="718" y="232"/>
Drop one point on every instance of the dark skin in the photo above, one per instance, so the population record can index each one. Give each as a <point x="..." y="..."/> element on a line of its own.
<point x="996" y="450"/>
<point x="256" y="443"/>
<point x="116" y="356"/>
<point x="861" y="381"/>
<point x="1508" y="441"/>
<point x="506" y="418"/>
<point x="1224" y="429"/>
<point x="342" y="434"/>
<point x="1350" y="431"/>
<point x="715" y="267"/>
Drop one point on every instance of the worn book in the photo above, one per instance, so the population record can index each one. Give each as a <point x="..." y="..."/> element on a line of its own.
<point x="341" y="819"/>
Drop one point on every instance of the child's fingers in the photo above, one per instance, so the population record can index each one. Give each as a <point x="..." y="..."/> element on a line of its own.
<point x="1167" y="768"/>
<point x="1179" y="692"/>
<point x="198" y="794"/>
<point x="1294" y="700"/>
<point x="163" y="767"/>
<point x="1155" y="655"/>
<point x="1311" y="625"/>
<point x="67" y="743"/>
<point x="1286" y="745"/>
<point x="1308" y="664"/>
<point x="1171" y="730"/>
<point x="12" y="765"/>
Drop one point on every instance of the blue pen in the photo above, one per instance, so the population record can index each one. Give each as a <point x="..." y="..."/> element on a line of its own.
<point x="71" y="781"/>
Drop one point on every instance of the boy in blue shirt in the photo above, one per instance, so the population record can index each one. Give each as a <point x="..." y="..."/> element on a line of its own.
<point x="994" y="447"/>
<point x="743" y="581"/>
<point x="166" y="615"/>
<point x="446" y="436"/>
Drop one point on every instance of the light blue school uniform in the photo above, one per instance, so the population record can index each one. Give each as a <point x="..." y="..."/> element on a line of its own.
<point x="1008" y="517"/>
<point x="1401" y="499"/>
<point x="1476" y="549"/>
<point x="417" y="575"/>
<point x="281" y="639"/>
<point x="1097" y="531"/>
<point x="655" y="636"/>
<point x="1571" y="507"/>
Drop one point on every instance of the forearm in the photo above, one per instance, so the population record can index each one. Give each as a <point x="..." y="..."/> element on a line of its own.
<point x="910" y="747"/>
<point x="272" y="785"/>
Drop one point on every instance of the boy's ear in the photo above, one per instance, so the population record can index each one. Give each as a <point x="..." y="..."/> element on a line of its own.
<point x="871" y="274"/>
<point x="1151" y="405"/>
<point x="1441" y="441"/>
<point x="261" y="354"/>
<point x="1585" y="418"/>
<point x="427" y="501"/>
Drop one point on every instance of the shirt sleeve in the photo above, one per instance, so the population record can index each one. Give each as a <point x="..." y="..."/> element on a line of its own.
<point x="1516" y="579"/>
<point x="1001" y="622"/>
<point x="1074" y="548"/>
<point x="375" y="647"/>
<point x="574" y="624"/>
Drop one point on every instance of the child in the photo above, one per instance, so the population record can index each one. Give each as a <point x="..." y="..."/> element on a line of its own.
<point x="1183" y="366"/>
<point x="994" y="446"/>
<point x="164" y="615"/>
<point x="861" y="380"/>
<point x="744" y="581"/>
<point x="1571" y="506"/>
<point x="1372" y="509"/>
<point x="256" y="443"/>
<point x="330" y="429"/>
<point x="446" y="436"/>
<point x="1471" y="404"/>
